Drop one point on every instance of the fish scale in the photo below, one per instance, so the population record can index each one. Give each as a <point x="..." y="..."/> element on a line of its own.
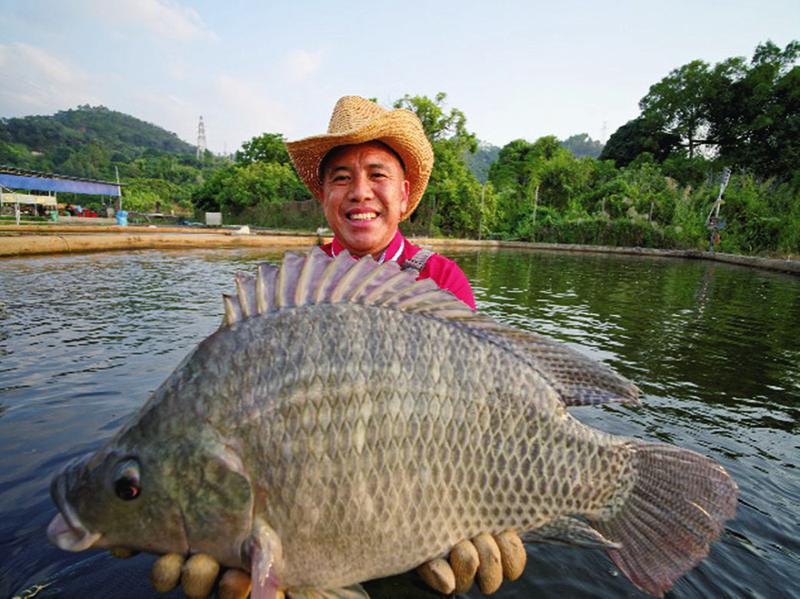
<point x="427" y="422"/>
<point x="347" y="423"/>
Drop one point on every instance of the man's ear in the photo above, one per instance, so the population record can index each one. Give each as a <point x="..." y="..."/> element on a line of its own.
<point x="404" y="201"/>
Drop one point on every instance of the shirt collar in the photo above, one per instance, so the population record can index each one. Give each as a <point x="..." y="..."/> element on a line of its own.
<point x="392" y="252"/>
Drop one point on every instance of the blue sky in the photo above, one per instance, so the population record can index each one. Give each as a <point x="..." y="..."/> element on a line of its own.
<point x="516" y="69"/>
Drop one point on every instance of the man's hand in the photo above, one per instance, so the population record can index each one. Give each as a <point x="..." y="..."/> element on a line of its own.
<point x="487" y="557"/>
<point x="197" y="576"/>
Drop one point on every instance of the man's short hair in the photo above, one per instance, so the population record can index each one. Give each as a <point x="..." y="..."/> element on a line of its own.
<point x="323" y="165"/>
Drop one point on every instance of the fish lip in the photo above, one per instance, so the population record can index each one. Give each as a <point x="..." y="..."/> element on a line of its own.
<point x="66" y="530"/>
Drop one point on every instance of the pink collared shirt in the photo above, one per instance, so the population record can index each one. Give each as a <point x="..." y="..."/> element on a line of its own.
<point x="444" y="272"/>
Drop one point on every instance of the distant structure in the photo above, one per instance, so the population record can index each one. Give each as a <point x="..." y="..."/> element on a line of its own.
<point x="201" y="139"/>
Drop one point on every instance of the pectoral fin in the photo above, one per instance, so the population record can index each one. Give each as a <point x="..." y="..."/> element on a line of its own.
<point x="265" y="559"/>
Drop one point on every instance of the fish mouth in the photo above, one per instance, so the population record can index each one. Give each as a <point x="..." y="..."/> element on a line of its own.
<point x="65" y="530"/>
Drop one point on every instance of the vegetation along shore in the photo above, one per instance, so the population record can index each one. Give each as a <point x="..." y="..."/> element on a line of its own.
<point x="653" y="184"/>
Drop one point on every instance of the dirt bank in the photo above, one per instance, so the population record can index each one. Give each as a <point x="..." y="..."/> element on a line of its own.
<point x="54" y="239"/>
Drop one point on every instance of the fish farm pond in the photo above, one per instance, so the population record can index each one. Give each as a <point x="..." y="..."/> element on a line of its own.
<point x="714" y="348"/>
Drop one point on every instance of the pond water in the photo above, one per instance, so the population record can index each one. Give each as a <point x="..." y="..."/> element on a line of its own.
<point x="714" y="348"/>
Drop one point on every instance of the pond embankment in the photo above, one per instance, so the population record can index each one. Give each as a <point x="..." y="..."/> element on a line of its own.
<point x="56" y="239"/>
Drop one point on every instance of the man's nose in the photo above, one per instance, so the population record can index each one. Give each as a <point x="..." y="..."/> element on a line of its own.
<point x="360" y="189"/>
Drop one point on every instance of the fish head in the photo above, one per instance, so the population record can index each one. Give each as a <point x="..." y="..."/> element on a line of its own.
<point x="116" y="498"/>
<point x="185" y="496"/>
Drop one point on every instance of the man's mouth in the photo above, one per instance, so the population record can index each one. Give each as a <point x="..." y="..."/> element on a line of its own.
<point x="362" y="216"/>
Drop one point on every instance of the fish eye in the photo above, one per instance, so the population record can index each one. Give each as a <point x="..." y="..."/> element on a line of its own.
<point x="127" y="482"/>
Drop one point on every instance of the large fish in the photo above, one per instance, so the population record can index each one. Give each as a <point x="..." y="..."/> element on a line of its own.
<point x="347" y="423"/>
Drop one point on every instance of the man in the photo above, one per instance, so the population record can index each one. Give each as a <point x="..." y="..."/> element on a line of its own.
<point x="370" y="171"/>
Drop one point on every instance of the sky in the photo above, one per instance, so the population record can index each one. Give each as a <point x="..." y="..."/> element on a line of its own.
<point x="516" y="69"/>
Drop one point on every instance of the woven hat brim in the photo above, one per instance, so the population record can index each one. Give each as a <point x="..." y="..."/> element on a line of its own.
<point x="399" y="129"/>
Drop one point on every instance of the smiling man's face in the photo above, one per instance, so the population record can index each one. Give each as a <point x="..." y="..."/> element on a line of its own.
<point x="364" y="194"/>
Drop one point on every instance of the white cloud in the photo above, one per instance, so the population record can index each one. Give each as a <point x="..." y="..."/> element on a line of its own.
<point x="34" y="81"/>
<point x="301" y="64"/>
<point x="165" y="18"/>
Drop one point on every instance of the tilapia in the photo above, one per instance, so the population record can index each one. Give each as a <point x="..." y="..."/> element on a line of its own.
<point x="347" y="422"/>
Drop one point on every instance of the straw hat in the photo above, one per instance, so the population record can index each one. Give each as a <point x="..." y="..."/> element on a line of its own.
<point x="356" y="120"/>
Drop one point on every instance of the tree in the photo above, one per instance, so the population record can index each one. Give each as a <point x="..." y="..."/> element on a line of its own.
<point x="637" y="136"/>
<point x="582" y="145"/>
<point x="438" y="124"/>
<point x="756" y="113"/>
<point x="678" y="105"/>
<point x="268" y="147"/>
<point x="453" y="196"/>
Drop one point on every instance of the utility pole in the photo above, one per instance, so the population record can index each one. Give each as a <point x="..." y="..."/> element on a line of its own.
<point x="201" y="139"/>
<point x="119" y="191"/>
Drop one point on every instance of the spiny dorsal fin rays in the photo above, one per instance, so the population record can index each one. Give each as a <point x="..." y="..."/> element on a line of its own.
<point x="313" y="267"/>
<point x="246" y="292"/>
<point x="390" y="285"/>
<point x="288" y="276"/>
<point x="233" y="312"/>
<point x="410" y="291"/>
<point x="332" y="274"/>
<point x="424" y="300"/>
<point x="350" y="279"/>
<point x="265" y="283"/>
<point x="317" y="278"/>
<point x="374" y="280"/>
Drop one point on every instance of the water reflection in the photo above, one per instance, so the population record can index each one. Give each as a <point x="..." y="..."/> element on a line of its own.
<point x="84" y="339"/>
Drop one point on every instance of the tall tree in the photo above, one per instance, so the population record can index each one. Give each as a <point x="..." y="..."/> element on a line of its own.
<point x="678" y="104"/>
<point x="268" y="147"/>
<point x="438" y="124"/>
<point x="637" y="136"/>
<point x="582" y="145"/>
<point x="755" y="114"/>
<point x="453" y="200"/>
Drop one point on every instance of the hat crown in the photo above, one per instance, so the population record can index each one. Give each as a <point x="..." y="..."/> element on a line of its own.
<point x="351" y="113"/>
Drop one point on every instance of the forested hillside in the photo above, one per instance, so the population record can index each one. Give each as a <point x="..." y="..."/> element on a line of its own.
<point x="87" y="141"/>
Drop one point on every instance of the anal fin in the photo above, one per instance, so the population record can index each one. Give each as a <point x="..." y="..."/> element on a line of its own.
<point x="569" y="530"/>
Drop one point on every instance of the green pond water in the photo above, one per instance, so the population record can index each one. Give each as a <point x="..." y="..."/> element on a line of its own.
<point x="714" y="348"/>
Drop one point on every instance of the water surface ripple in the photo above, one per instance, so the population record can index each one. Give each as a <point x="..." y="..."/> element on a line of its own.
<point x="85" y="339"/>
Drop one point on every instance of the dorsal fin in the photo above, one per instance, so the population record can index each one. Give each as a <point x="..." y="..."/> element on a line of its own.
<point x="316" y="278"/>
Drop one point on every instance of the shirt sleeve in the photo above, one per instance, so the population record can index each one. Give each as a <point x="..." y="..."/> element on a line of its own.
<point x="448" y="275"/>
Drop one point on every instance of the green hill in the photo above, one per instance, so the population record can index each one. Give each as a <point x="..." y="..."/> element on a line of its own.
<point x="87" y="141"/>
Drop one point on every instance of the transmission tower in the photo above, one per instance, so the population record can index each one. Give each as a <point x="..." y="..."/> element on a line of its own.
<point x="201" y="139"/>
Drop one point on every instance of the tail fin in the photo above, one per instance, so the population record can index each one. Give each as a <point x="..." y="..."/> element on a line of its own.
<point x="677" y="506"/>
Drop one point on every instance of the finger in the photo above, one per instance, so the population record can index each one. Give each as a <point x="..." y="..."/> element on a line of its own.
<point x="235" y="584"/>
<point x="464" y="562"/>
<point x="490" y="570"/>
<point x="512" y="554"/>
<point x="198" y="576"/>
<point x="122" y="552"/>
<point x="438" y="575"/>
<point x="166" y="572"/>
